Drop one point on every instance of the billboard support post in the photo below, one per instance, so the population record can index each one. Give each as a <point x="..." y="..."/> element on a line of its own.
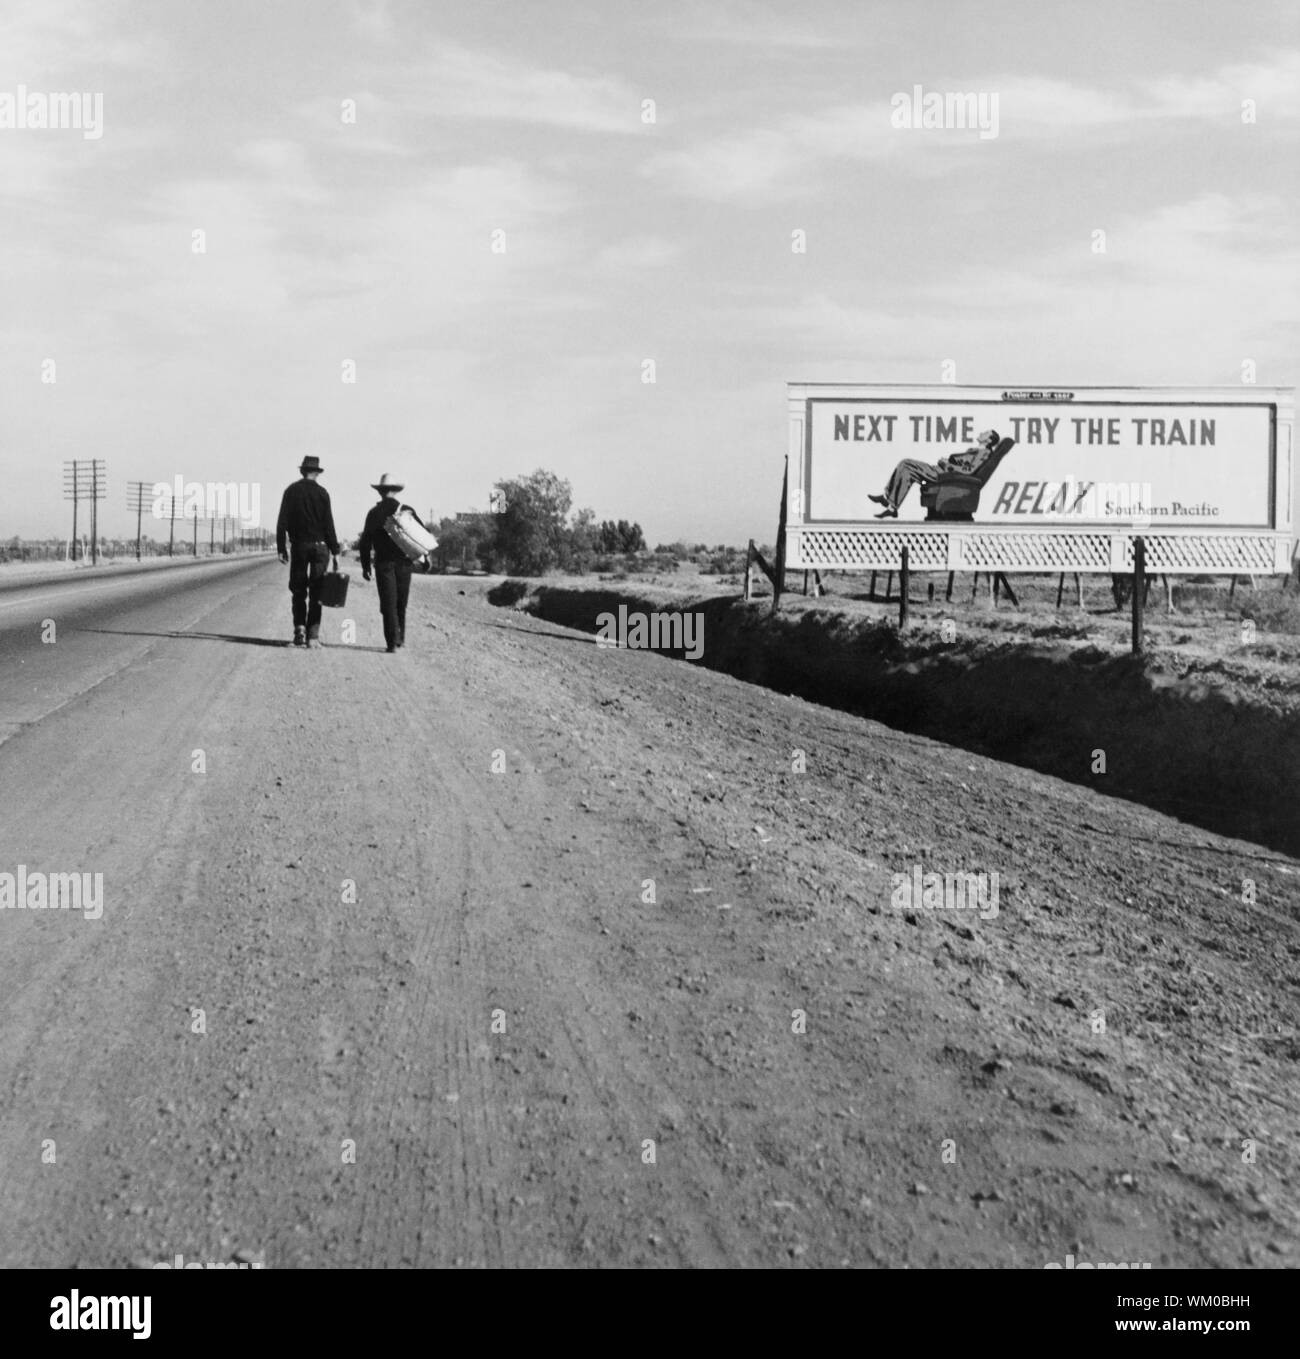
<point x="778" y="566"/>
<point x="1139" y="590"/>
<point x="904" y="589"/>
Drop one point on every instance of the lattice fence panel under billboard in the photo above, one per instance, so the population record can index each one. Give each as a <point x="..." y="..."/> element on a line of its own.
<point x="1243" y="553"/>
<point x="1035" y="551"/>
<point x="970" y="548"/>
<point x="831" y="548"/>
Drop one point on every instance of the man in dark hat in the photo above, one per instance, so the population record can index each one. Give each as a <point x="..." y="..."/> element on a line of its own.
<point x="392" y="565"/>
<point x="307" y="523"/>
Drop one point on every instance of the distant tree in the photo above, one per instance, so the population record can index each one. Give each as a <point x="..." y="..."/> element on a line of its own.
<point x="531" y="531"/>
<point x="622" y="537"/>
<point x="463" y="541"/>
<point x="678" y="550"/>
<point x="579" y="547"/>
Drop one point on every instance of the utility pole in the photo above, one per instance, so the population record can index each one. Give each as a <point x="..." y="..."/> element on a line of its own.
<point x="86" y="477"/>
<point x="137" y="493"/>
<point x="71" y="487"/>
<point x="97" y="469"/>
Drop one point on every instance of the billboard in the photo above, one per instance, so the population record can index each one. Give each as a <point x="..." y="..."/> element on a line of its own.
<point x="1168" y="458"/>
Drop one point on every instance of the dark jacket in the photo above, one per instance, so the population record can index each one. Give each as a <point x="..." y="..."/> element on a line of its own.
<point x="375" y="540"/>
<point x="306" y="517"/>
<point x="969" y="460"/>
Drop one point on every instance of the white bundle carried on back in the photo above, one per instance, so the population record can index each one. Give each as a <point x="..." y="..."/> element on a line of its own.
<point x="409" y="534"/>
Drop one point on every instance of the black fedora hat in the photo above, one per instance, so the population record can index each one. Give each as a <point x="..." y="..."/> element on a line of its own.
<point x="311" y="463"/>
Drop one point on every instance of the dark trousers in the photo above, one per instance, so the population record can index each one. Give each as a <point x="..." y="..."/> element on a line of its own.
<point x="393" y="581"/>
<point x="907" y="472"/>
<point x="307" y="565"/>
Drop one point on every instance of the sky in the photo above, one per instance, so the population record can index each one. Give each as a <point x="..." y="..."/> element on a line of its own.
<point x="475" y="206"/>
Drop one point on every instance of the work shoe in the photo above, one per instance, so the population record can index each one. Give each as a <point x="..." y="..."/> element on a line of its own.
<point x="300" y="636"/>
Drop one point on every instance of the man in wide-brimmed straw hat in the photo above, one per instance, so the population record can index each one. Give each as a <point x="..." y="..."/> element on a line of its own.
<point x="305" y="538"/>
<point x="392" y="565"/>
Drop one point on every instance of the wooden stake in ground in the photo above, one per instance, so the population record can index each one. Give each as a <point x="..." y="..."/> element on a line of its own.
<point x="1060" y="589"/>
<point x="1139" y="591"/>
<point x="755" y="558"/>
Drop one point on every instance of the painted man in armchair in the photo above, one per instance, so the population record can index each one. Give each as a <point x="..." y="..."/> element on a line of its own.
<point x="910" y="470"/>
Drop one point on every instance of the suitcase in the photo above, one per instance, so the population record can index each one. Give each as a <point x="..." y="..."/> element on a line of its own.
<point x="409" y="534"/>
<point x="334" y="588"/>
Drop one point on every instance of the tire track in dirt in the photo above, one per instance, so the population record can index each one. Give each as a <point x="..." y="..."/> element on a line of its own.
<point x="433" y="1016"/>
<point x="624" y="1097"/>
<point x="84" y="997"/>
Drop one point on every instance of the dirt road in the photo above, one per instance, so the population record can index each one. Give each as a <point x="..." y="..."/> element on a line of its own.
<point x="387" y="984"/>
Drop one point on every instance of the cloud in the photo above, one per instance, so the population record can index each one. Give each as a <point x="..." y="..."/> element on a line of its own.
<point x="373" y="20"/>
<point x="459" y="82"/>
<point x="376" y="129"/>
<point x="788" y="156"/>
<point x="749" y="27"/>
<point x="775" y="161"/>
<point x="1274" y="86"/>
<point x="635" y="253"/>
<point x="55" y="41"/>
<point x="1183" y="295"/>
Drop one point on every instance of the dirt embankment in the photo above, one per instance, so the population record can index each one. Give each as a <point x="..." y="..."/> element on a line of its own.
<point x="1215" y="744"/>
